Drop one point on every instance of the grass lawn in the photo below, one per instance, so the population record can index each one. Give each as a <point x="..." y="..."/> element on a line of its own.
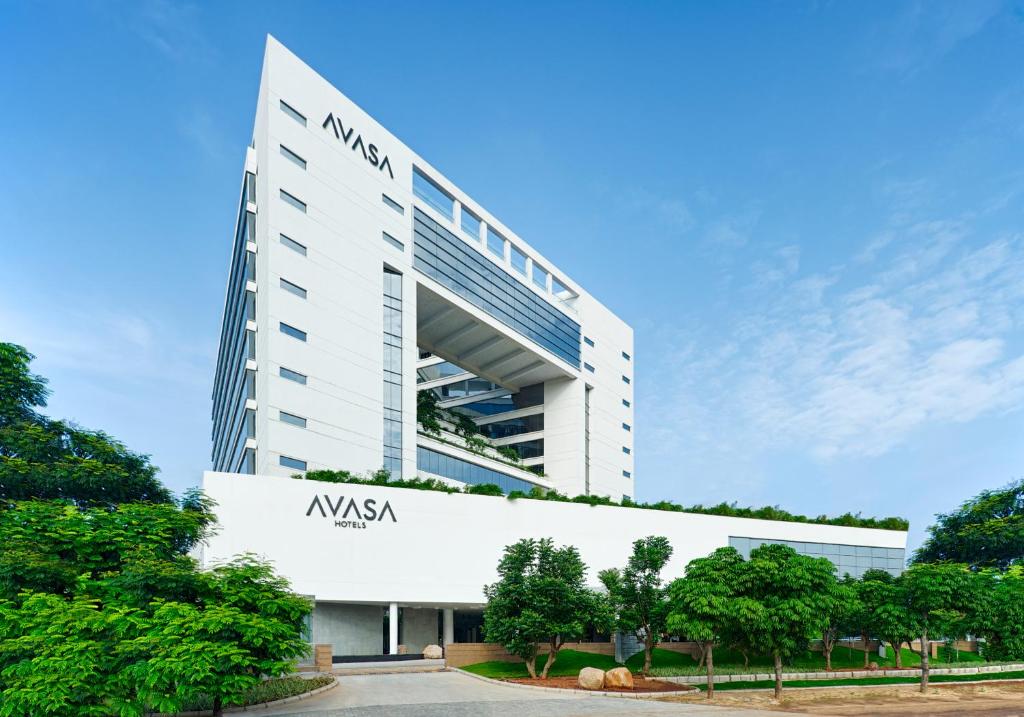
<point x="762" y="684"/>
<point x="666" y="662"/>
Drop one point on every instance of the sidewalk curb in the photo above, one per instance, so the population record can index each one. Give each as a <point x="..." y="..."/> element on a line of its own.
<point x="251" y="708"/>
<point x="586" y="693"/>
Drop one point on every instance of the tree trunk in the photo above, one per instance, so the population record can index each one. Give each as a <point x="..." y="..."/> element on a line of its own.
<point x="925" y="655"/>
<point x="898" y="652"/>
<point x="556" y="645"/>
<point x="709" y="652"/>
<point x="648" y="649"/>
<point x="218" y="706"/>
<point x="864" y="637"/>
<point x="826" y="647"/>
<point x="703" y="654"/>
<point x="746" y="659"/>
<point x="778" y="676"/>
<point x="531" y="665"/>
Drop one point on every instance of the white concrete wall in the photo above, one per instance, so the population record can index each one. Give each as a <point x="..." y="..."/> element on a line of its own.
<point x="445" y="547"/>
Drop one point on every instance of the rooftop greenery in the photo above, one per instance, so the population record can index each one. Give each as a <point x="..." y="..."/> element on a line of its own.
<point x="731" y="510"/>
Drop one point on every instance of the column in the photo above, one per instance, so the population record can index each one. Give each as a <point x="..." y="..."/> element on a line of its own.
<point x="449" y="626"/>
<point x="393" y="629"/>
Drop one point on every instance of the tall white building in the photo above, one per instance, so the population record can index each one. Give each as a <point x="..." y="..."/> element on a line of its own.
<point x="361" y="275"/>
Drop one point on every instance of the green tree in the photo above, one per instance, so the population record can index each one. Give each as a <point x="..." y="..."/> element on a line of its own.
<point x="841" y="609"/>
<point x="986" y="531"/>
<point x="41" y="458"/>
<point x="938" y="597"/>
<point x="888" y="612"/>
<point x="998" y="614"/>
<point x="540" y="596"/>
<point x="636" y="593"/>
<point x="779" y="603"/>
<point x="701" y="603"/>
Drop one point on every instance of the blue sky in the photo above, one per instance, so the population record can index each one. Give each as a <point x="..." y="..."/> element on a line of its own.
<point x="811" y="213"/>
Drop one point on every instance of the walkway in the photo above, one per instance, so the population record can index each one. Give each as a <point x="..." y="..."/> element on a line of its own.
<point x="450" y="694"/>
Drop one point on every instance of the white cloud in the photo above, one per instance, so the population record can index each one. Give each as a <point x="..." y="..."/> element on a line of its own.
<point x="833" y="367"/>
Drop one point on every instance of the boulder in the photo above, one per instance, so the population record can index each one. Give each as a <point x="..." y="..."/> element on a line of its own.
<point x="591" y="678"/>
<point x="620" y="678"/>
<point x="873" y="666"/>
<point x="432" y="652"/>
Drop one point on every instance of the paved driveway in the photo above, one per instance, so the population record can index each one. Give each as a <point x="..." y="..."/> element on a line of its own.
<point x="450" y="694"/>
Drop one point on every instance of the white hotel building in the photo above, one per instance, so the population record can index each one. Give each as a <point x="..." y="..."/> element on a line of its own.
<point x="360" y="275"/>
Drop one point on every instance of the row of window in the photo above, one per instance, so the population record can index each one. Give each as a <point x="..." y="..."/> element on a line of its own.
<point x="590" y="342"/>
<point x="472" y="226"/>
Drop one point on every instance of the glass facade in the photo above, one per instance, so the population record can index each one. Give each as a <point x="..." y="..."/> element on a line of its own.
<point x="496" y="243"/>
<point x="438" y="370"/>
<point x="451" y="262"/>
<point x="848" y="559"/>
<point x="233" y="383"/>
<point x="393" y="372"/>
<point x="470" y="224"/>
<point x="441" y="464"/>
<point x="529" y="449"/>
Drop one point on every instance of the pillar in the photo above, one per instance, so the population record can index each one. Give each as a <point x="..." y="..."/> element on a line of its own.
<point x="393" y="629"/>
<point x="449" y="626"/>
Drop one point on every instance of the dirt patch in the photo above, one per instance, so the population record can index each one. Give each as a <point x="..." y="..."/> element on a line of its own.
<point x="989" y="700"/>
<point x="570" y="683"/>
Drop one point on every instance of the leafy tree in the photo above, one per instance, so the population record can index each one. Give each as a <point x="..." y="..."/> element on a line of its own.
<point x="428" y="413"/>
<point x="701" y="603"/>
<point x="43" y="458"/>
<point x="938" y="598"/>
<point x="986" y="531"/>
<point x="998" y="615"/>
<point x="888" y="612"/>
<point x="637" y="595"/>
<point x="540" y="596"/>
<point x="779" y="601"/>
<point x="841" y="609"/>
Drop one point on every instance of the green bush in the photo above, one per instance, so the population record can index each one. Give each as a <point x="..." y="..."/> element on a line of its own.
<point x="268" y="691"/>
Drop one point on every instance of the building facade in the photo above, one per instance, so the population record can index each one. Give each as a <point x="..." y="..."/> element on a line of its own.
<point x="361" y="277"/>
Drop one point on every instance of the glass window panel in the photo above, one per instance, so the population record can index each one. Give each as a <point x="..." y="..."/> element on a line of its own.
<point x="294" y="201"/>
<point x="293" y="288"/>
<point x="292" y="157"/>
<point x="392" y="203"/>
<point x="293" y="245"/>
<point x="518" y="259"/>
<point x="292" y="375"/>
<point x="470" y="224"/>
<point x="293" y="113"/>
<point x="393" y="242"/>
<point x="496" y="243"/>
<point x="540" y="278"/>
<point x="293" y="419"/>
<point x="425" y="188"/>
<point x="292" y="331"/>
<point x="295" y="463"/>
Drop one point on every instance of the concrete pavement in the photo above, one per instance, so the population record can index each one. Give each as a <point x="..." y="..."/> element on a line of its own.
<point x="450" y="694"/>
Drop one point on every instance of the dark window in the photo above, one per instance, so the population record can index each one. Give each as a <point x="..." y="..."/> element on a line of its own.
<point x="293" y="332"/>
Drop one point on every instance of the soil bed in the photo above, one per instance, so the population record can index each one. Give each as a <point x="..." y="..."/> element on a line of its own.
<point x="571" y="683"/>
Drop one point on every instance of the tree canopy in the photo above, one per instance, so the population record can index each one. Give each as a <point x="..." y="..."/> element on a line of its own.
<point x="637" y="595"/>
<point x="540" y="596"/>
<point x="701" y="604"/>
<point x="43" y="458"/>
<point x="986" y="531"/>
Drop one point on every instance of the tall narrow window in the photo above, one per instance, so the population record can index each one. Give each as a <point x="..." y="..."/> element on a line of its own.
<point x="496" y="243"/>
<point x="518" y="259"/>
<point x="250" y="187"/>
<point x="470" y="224"/>
<point x="393" y="372"/>
<point x="540" y="278"/>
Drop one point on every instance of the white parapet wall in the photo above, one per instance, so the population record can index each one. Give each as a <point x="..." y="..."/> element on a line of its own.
<point x="371" y="544"/>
